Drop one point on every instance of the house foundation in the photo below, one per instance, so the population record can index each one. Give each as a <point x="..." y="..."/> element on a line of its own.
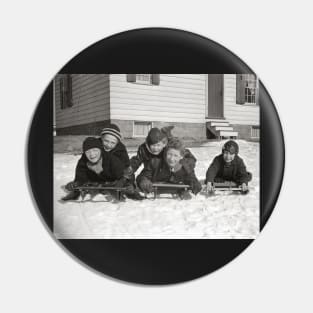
<point x="190" y="131"/>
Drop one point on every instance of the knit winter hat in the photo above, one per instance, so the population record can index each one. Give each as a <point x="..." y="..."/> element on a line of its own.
<point x="90" y="143"/>
<point x="231" y="146"/>
<point x="112" y="129"/>
<point x="154" y="136"/>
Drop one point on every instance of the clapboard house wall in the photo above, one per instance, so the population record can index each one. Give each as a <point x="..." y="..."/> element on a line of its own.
<point x="90" y="106"/>
<point x="178" y="100"/>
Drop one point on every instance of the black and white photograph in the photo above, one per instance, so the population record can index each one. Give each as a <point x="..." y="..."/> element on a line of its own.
<point x="156" y="156"/>
<point x="83" y="232"/>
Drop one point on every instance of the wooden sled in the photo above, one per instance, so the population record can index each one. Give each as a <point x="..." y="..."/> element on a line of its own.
<point x="228" y="186"/>
<point x="158" y="187"/>
<point x="84" y="190"/>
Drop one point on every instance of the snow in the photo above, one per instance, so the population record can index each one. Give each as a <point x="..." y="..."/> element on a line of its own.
<point x="224" y="215"/>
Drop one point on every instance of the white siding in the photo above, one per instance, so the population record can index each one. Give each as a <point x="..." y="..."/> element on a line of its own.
<point x="235" y="113"/>
<point x="91" y="98"/>
<point x="178" y="98"/>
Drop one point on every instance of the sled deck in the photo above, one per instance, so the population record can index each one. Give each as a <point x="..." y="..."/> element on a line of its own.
<point x="83" y="190"/>
<point x="228" y="186"/>
<point x="167" y="186"/>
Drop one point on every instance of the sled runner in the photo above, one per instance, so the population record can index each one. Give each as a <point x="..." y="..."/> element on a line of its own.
<point x="84" y="190"/>
<point x="228" y="186"/>
<point x="172" y="188"/>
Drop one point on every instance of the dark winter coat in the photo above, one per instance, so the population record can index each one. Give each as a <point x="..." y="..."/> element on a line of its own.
<point x="157" y="170"/>
<point x="113" y="170"/>
<point x="236" y="171"/>
<point x="120" y="152"/>
<point x="144" y="156"/>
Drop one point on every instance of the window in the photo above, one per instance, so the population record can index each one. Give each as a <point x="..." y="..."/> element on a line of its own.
<point x="255" y="132"/>
<point x="144" y="79"/>
<point x="250" y="88"/>
<point x="141" y="129"/>
<point x="66" y="99"/>
<point x="247" y="89"/>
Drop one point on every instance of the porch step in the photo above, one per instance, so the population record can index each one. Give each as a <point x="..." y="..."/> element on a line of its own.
<point x="219" y="124"/>
<point x="220" y="128"/>
<point x="215" y="120"/>
<point x="227" y="128"/>
<point x="228" y="134"/>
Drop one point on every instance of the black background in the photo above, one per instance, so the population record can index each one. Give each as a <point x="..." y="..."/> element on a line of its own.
<point x="154" y="51"/>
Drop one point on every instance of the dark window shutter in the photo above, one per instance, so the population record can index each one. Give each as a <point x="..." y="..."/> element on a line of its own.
<point x="257" y="93"/>
<point x="240" y="89"/>
<point x="131" y="78"/>
<point x="66" y="91"/>
<point x="61" y="93"/>
<point x="155" y="79"/>
<point x="69" y="90"/>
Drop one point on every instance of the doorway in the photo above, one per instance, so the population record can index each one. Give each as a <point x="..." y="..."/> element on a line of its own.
<point x="215" y="96"/>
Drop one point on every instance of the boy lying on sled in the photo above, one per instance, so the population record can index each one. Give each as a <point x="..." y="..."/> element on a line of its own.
<point x="154" y="147"/>
<point x="169" y="170"/>
<point x="112" y="145"/>
<point x="228" y="167"/>
<point x="94" y="166"/>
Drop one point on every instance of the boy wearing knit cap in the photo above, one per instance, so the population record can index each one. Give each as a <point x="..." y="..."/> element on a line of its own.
<point x="153" y="148"/>
<point x="169" y="169"/>
<point x="228" y="166"/>
<point x="94" y="166"/>
<point x="111" y="140"/>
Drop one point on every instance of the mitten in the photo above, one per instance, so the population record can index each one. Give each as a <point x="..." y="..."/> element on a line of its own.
<point x="195" y="186"/>
<point x="128" y="172"/>
<point x="71" y="185"/>
<point x="121" y="182"/>
<point x="209" y="187"/>
<point x="188" y="164"/>
<point x="146" y="185"/>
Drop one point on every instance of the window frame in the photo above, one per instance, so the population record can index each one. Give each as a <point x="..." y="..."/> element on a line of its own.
<point x="142" y="81"/>
<point x="152" y="81"/>
<point x="245" y="103"/>
<point x="256" y="82"/>
<point x="257" y="127"/>
<point x="134" y="126"/>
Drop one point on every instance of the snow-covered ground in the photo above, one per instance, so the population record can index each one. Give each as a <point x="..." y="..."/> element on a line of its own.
<point x="223" y="215"/>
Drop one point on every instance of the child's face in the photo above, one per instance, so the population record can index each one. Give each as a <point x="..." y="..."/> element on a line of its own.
<point x="109" y="142"/>
<point x="93" y="155"/>
<point x="173" y="157"/>
<point x="157" y="147"/>
<point x="228" y="157"/>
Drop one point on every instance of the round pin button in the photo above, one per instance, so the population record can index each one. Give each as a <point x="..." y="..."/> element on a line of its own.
<point x="155" y="178"/>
